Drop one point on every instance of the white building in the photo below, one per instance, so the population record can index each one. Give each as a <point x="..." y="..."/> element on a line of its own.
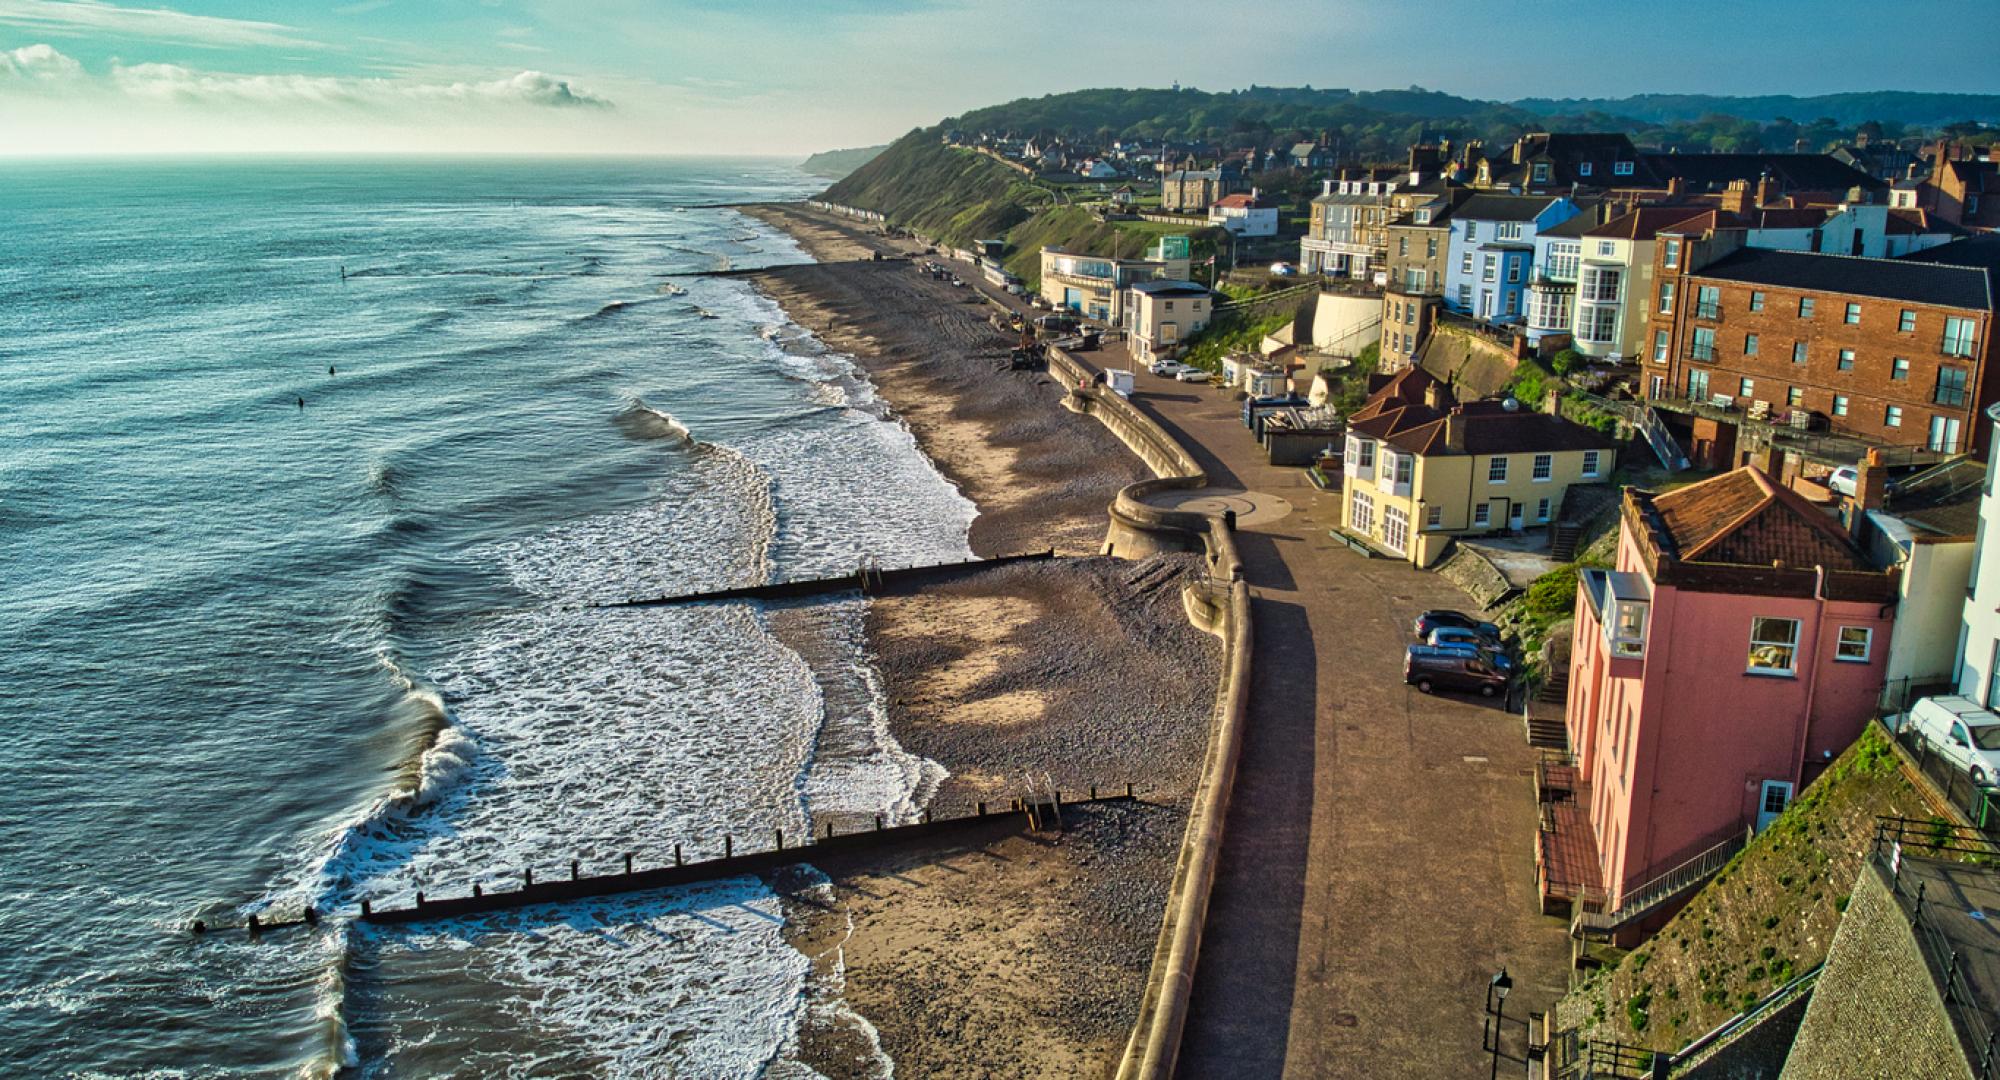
<point x="1979" y="631"/>
<point x="1244" y="215"/>
<point x="1161" y="315"/>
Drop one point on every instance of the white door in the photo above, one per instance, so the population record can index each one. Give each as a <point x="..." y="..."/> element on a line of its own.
<point x="1771" y="801"/>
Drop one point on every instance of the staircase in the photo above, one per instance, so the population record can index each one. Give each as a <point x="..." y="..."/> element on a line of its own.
<point x="1658" y="437"/>
<point x="1659" y="892"/>
<point x="1563" y="537"/>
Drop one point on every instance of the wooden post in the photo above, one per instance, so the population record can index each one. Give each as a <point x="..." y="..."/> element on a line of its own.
<point x="420" y="899"/>
<point x="677" y="859"/>
<point x="982" y="809"/>
<point x="829" y="830"/>
<point x="781" y="838"/>
<point x="572" y="869"/>
<point x="367" y="909"/>
<point x="878" y="823"/>
<point x="477" y="891"/>
<point x="200" y="927"/>
<point x="254" y="925"/>
<point x="1128" y="791"/>
<point x="628" y="858"/>
<point x="312" y="916"/>
<point x="728" y="846"/>
<point x="1093" y="793"/>
<point x="927" y="815"/>
<point x="528" y="877"/>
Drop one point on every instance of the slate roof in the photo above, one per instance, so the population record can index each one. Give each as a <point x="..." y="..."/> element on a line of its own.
<point x="1573" y="228"/>
<point x="1644" y="223"/>
<point x="1942" y="500"/>
<point x="1745" y="518"/>
<point x="1169" y="288"/>
<point x="1927" y="277"/>
<point x="1713" y="172"/>
<point x="1484" y="207"/>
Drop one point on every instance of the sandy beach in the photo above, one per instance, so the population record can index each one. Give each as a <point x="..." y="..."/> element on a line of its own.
<point x="1008" y="955"/>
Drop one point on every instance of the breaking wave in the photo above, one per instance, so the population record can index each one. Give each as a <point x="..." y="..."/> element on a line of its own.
<point x="641" y="421"/>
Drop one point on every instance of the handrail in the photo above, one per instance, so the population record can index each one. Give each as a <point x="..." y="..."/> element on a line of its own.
<point x="1661" y="887"/>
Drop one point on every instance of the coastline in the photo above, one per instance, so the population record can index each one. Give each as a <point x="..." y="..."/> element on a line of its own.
<point x="1018" y="954"/>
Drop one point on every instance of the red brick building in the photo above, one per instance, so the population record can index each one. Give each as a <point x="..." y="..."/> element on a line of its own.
<point x="1897" y="352"/>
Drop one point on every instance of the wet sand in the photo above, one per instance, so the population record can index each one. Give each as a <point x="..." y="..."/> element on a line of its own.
<point x="1010" y="954"/>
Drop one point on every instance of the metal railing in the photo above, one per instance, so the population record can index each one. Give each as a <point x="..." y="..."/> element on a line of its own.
<point x="1982" y="1032"/>
<point x="1651" y="895"/>
<point x="1703" y="353"/>
<point x="1980" y="803"/>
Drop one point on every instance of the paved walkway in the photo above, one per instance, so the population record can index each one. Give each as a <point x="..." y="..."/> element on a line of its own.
<point x="1378" y="862"/>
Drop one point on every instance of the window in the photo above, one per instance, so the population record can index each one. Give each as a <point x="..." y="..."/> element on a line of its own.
<point x="1847" y="359"/>
<point x="1513" y="303"/>
<point x="1465" y="291"/>
<point x="1508" y="230"/>
<point x="1795" y="397"/>
<point x="1621" y="168"/>
<point x="1702" y="347"/>
<point x="1899" y="369"/>
<point x="1892" y="416"/>
<point x="1672" y="253"/>
<point x="1545" y="468"/>
<point x="1599" y="284"/>
<point x="1361" y="513"/>
<point x="1944" y="440"/>
<point x="1590" y="464"/>
<point x="1798" y="352"/>
<point x="1496" y="471"/>
<point x="1364" y="457"/>
<point x="1598" y="323"/>
<point x="1471" y="233"/>
<point x="1395" y="529"/>
<point x="1513" y="271"/>
<point x="1697" y="385"/>
<point x="1542" y="510"/>
<point x="1805" y="307"/>
<point x="1170" y="305"/>
<point x="1430" y="247"/>
<point x="1627" y="629"/>
<point x="1708" y="302"/>
<point x="1666" y="297"/>
<point x="1659" y="346"/>
<point x="1840" y="404"/>
<point x="1906" y="323"/>
<point x="1950" y="386"/>
<point x="1406" y="468"/>
<point x="1774" y="645"/>
<point x="1465" y="264"/>
<point x="1583" y="168"/>
<point x="1756" y="301"/>
<point x="1853" y="644"/>
<point x="1746" y="388"/>
<point x="1434" y="517"/>
<point x="1489" y="269"/>
<point x="1749" y="344"/>
<point x="1607" y="247"/>
<point x="1959" y="337"/>
<point x="1852" y="317"/>
<point x="1482" y="515"/>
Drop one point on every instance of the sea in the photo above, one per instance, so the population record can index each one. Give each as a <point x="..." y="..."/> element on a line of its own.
<point x="315" y="478"/>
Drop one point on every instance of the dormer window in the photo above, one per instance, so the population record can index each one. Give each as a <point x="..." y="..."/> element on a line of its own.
<point x="1583" y="168"/>
<point x="1621" y="168"/>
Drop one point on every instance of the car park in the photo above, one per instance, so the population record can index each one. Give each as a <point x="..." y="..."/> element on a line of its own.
<point x="1431" y="669"/>
<point x="1437" y="617"/>
<point x="1960" y="731"/>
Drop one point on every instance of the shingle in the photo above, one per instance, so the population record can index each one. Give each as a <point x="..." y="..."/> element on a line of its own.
<point x="1744" y="518"/>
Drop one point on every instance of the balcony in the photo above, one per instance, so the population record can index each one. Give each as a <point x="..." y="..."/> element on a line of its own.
<point x="1701" y="353"/>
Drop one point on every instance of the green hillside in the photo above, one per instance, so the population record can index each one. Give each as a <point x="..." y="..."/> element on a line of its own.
<point x="953" y="196"/>
<point x="834" y="164"/>
<point x="1768" y="916"/>
<point x="1883" y="106"/>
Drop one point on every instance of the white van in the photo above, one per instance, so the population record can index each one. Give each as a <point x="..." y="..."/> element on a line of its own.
<point x="1961" y="732"/>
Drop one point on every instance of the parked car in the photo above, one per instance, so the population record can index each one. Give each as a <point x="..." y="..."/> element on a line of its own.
<point x="1283" y="269"/>
<point x="1494" y="656"/>
<point x="1168" y="368"/>
<point x="1432" y="620"/>
<point x="1459" y="635"/>
<point x="1191" y="374"/>
<point x="1961" y="732"/>
<point x="1846" y="480"/>
<point x="1432" y="669"/>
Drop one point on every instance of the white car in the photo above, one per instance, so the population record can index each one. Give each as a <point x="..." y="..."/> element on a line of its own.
<point x="1169" y="368"/>
<point x="1846" y="480"/>
<point x="1191" y="374"/>
<point x="1961" y="732"/>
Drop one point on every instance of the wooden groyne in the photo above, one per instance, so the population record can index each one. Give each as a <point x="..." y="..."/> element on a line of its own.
<point x="1042" y="812"/>
<point x="866" y="579"/>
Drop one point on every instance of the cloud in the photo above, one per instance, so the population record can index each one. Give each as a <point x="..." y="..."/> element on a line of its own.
<point x="37" y="62"/>
<point x="94" y="17"/>
<point x="171" y="82"/>
<point x="41" y="70"/>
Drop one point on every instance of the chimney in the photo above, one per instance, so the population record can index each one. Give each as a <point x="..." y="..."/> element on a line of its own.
<point x="1454" y="430"/>
<point x="1871" y="484"/>
<point x="1767" y="191"/>
<point x="1552" y="401"/>
<point x="1676" y="187"/>
<point x="1434" y="396"/>
<point x="1736" y="198"/>
<point x="1520" y="346"/>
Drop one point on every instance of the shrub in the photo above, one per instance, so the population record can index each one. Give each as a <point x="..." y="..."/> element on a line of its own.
<point x="1565" y="362"/>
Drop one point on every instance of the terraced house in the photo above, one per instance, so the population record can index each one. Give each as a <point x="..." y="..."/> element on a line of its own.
<point x="1492" y="252"/>
<point x="1421" y="467"/>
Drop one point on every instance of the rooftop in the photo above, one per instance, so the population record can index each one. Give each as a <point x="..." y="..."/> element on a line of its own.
<point x="1942" y="500"/>
<point x="1169" y="288"/>
<point x="1816" y="172"/>
<point x="1415" y="412"/>
<point x="1643" y="223"/>
<point x="1486" y="207"/>
<point x="1745" y="518"/>
<point x="1924" y="278"/>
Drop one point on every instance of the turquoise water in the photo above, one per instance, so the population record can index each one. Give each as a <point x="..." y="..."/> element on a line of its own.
<point x="259" y="655"/>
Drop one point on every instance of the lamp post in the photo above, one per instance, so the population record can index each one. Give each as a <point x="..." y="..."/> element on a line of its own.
<point x="1496" y="1007"/>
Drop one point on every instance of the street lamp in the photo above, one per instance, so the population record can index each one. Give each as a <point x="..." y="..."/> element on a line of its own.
<point x="1496" y="1007"/>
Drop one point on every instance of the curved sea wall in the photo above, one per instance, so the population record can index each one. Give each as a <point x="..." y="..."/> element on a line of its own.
<point x="1220" y="605"/>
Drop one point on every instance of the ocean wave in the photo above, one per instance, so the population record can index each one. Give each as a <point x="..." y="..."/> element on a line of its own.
<point x="641" y="421"/>
<point x="382" y="477"/>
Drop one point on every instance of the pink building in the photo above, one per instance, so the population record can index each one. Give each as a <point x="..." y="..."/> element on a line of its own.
<point x="1736" y="648"/>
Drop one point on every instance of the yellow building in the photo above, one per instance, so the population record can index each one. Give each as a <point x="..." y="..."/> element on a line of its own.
<point x="1421" y="468"/>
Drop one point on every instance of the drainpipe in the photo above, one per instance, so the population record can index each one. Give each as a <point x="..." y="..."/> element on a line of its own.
<point x="1812" y="682"/>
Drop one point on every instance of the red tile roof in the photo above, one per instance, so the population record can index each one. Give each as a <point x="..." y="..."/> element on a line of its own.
<point x="1398" y="414"/>
<point x="1745" y="518"/>
<point x="1236" y="202"/>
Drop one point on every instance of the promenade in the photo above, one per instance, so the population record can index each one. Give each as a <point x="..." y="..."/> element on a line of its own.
<point x="1378" y="863"/>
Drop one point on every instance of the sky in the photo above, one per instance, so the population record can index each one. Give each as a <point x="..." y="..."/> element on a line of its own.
<point x="788" y="77"/>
